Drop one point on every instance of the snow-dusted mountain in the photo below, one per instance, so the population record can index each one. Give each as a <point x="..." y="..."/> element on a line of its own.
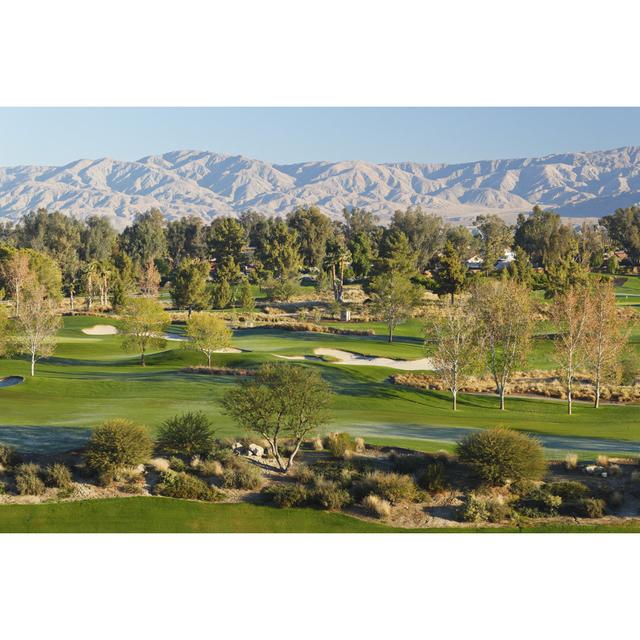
<point x="210" y="184"/>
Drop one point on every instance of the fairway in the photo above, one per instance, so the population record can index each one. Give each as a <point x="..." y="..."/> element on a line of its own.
<point x="91" y="379"/>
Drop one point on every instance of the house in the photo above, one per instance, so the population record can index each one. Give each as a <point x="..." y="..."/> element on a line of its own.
<point x="474" y="263"/>
<point x="507" y="258"/>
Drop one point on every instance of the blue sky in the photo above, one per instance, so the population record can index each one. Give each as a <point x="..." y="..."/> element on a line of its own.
<point x="60" y="135"/>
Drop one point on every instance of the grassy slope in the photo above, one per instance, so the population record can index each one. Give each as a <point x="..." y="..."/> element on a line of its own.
<point x="91" y="379"/>
<point x="164" y="515"/>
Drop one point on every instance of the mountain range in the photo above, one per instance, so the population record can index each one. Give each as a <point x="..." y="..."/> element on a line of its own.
<point x="577" y="185"/>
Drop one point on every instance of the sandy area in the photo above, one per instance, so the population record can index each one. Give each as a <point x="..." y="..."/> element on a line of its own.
<point x="101" y="330"/>
<point x="345" y="357"/>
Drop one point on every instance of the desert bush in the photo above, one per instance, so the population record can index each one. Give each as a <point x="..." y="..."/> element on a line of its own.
<point x="28" y="481"/>
<point x="408" y="463"/>
<point x="393" y="487"/>
<point x="571" y="461"/>
<point x="328" y="494"/>
<point x="246" y="476"/>
<point x="568" y="490"/>
<point x="58" y="475"/>
<point x="498" y="456"/>
<point x="187" y="434"/>
<point x="538" y="503"/>
<point x="160" y="464"/>
<point x="304" y="474"/>
<point x="116" y="444"/>
<point x="432" y="477"/>
<point x="376" y="506"/>
<point x="602" y="461"/>
<point x="485" y="509"/>
<point x="211" y="468"/>
<point x="177" y="464"/>
<point x="186" y="486"/>
<point x="317" y="445"/>
<point x="285" y="494"/>
<point x="359" y="445"/>
<point x="7" y="455"/>
<point x="339" y="444"/>
<point x="591" y="508"/>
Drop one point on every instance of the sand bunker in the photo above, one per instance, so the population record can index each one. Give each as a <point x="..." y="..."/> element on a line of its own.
<point x="345" y="357"/>
<point x="11" y="381"/>
<point x="101" y="330"/>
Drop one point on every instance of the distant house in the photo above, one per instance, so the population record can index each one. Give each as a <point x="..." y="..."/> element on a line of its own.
<point x="474" y="263"/>
<point x="507" y="258"/>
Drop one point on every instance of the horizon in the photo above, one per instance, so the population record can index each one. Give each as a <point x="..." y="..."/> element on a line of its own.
<point x="457" y="135"/>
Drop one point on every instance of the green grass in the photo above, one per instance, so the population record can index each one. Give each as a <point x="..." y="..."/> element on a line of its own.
<point x="165" y="515"/>
<point x="91" y="379"/>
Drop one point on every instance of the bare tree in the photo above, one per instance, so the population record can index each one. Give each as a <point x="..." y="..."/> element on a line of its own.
<point x="150" y="280"/>
<point x="570" y="312"/>
<point x="457" y="345"/>
<point x="606" y="334"/>
<point x="504" y="312"/>
<point x="36" y="325"/>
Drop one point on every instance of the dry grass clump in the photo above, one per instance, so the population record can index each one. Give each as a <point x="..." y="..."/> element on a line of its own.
<point x="393" y="487"/>
<point x="211" y="468"/>
<point x="159" y="464"/>
<point x="376" y="506"/>
<point x="359" y="445"/>
<point x="244" y="476"/>
<point x="317" y="445"/>
<point x="339" y="444"/>
<point x="602" y="461"/>
<point x="58" y="475"/>
<point x="571" y="461"/>
<point x="28" y="481"/>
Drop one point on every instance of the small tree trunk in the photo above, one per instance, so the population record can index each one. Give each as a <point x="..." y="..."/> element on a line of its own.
<point x="502" y="393"/>
<point x="452" y="300"/>
<point x="596" y="403"/>
<point x="33" y="364"/>
<point x="390" y="333"/>
<point x="209" y="360"/>
<point x="142" y="362"/>
<point x="569" y="400"/>
<point x="72" y="302"/>
<point x="454" y="395"/>
<point x="293" y="455"/>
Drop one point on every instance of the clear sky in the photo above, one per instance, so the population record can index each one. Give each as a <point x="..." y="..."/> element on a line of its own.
<point x="282" y="135"/>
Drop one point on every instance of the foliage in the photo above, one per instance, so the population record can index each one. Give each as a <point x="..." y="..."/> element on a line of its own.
<point x="280" y="401"/>
<point x="58" y="475"/>
<point x="190" y="285"/>
<point x="207" y="334"/>
<point x="116" y="444"/>
<point x="393" y="297"/>
<point x="393" y="487"/>
<point x="485" y="509"/>
<point x="498" y="456"/>
<point x="339" y="444"/>
<point x="245" y="476"/>
<point x="432" y="478"/>
<point x="7" y="455"/>
<point x="451" y="272"/>
<point x="328" y="494"/>
<point x="177" y="464"/>
<point x="188" y="434"/>
<point x="187" y="487"/>
<point x="144" y="321"/>
<point x="286" y="494"/>
<point x="376" y="506"/>
<point x="28" y="481"/>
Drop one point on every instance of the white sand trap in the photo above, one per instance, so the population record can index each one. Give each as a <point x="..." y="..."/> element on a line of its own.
<point x="345" y="357"/>
<point x="228" y="350"/>
<point x="174" y="336"/>
<point x="11" y="381"/>
<point x="101" y="330"/>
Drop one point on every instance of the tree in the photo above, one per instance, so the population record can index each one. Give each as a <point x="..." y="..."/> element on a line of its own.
<point x="207" y="334"/>
<point x="570" y="313"/>
<point x="4" y="330"/>
<point x="186" y="240"/>
<point x="457" y="345"/>
<point x="144" y="321"/>
<point x="149" y="281"/>
<point x="98" y="239"/>
<point x="226" y="238"/>
<point x="496" y="235"/>
<point x="116" y="445"/>
<point x="499" y="456"/>
<point x="396" y="254"/>
<point x="191" y="285"/>
<point x="451" y="273"/>
<point x="36" y="325"/>
<point x="188" y="434"/>
<point x="606" y="334"/>
<point x="363" y="254"/>
<point x="394" y="297"/>
<point x="16" y="274"/>
<point x="281" y="402"/>
<point x="278" y="251"/>
<point x="246" y="301"/>
<point x="337" y="259"/>
<point x="425" y="232"/>
<point x="145" y="239"/>
<point x="314" y="229"/>
<point x="503" y="311"/>
<point x="623" y="227"/>
<point x="521" y="269"/>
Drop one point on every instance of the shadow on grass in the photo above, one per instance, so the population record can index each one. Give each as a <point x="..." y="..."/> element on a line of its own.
<point x="37" y="439"/>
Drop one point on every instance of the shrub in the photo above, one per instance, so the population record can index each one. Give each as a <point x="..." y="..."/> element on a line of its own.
<point x="568" y="490"/>
<point x="432" y="478"/>
<point x="339" y="444"/>
<point x="177" y="464"/>
<point x="211" y="468"/>
<point x="602" y="461"/>
<point x="359" y="445"/>
<point x="376" y="506"/>
<point x="408" y="463"/>
<point x="538" y="503"/>
<point x="28" y="481"/>
<point x="58" y="475"/>
<point x="246" y="476"/>
<point x="393" y="487"/>
<point x="591" y="508"/>
<point x="498" y="456"/>
<point x="188" y="487"/>
<point x="187" y="434"/>
<point x="304" y="474"/>
<point x="116" y="444"/>
<point x="317" y="444"/>
<point x="287" y="494"/>
<point x="327" y="494"/>
<point x="160" y="464"/>
<point x="7" y="455"/>
<point x="571" y="461"/>
<point x="485" y="509"/>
